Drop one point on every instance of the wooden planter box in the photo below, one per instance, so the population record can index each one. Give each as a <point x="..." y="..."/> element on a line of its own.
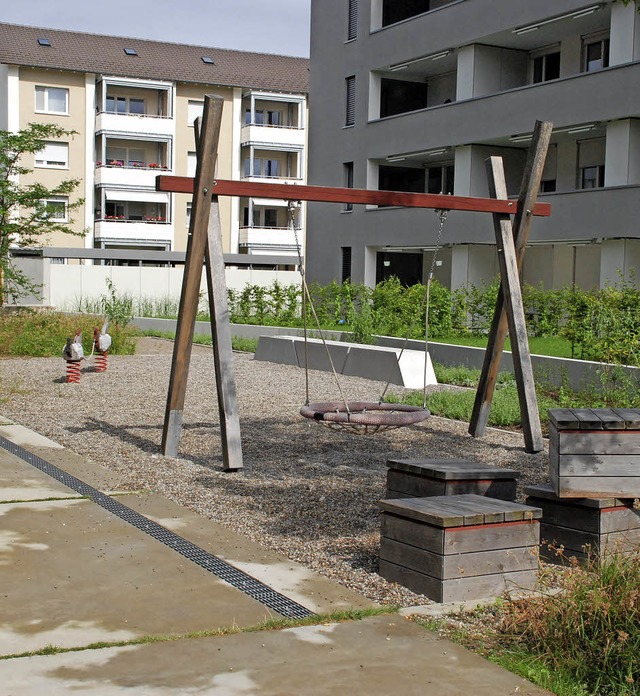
<point x="419" y="478"/>
<point x="584" y="525"/>
<point x="455" y="548"/>
<point x="594" y="452"/>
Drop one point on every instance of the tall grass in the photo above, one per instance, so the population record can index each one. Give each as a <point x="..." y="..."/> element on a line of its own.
<point x="591" y="629"/>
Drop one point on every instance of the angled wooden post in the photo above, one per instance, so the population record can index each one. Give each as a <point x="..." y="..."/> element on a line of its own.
<point x="521" y="226"/>
<point x="204" y="233"/>
<point x="514" y="310"/>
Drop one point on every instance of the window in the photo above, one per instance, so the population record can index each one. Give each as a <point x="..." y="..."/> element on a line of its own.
<point x="592" y="177"/>
<point x="130" y="51"/>
<point x="546" y="67"/>
<point x="195" y="110"/>
<point x="270" y="217"/>
<point x="44" y="42"/>
<point x="192" y="161"/>
<point x="394" y="11"/>
<point x="350" y="116"/>
<point x="440" y="179"/>
<point x="352" y="22"/>
<point x="53" y="155"/>
<point x="591" y="154"/>
<point x="126" y="157"/>
<point x="547" y="185"/>
<point x="347" y="170"/>
<point x="346" y="264"/>
<point x="188" y="215"/>
<point x="596" y="55"/>
<point x="401" y="179"/>
<point x="55" y="208"/>
<point x="401" y="96"/>
<point x="52" y="100"/>
<point x="262" y="167"/>
<point x="208" y="60"/>
<point x="125" y="105"/>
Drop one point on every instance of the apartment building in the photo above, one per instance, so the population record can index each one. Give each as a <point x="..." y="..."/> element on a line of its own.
<point x="414" y="95"/>
<point x="132" y="104"/>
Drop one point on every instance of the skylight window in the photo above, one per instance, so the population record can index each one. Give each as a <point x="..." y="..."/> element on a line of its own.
<point x="208" y="60"/>
<point x="131" y="51"/>
<point x="44" y="42"/>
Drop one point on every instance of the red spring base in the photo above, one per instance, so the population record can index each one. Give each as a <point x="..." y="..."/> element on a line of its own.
<point x="101" y="361"/>
<point x="73" y="371"/>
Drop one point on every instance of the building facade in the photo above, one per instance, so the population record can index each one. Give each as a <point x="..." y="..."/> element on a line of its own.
<point x="132" y="105"/>
<point x="415" y="95"/>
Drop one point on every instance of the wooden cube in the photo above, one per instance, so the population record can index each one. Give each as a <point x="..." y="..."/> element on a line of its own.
<point x="455" y="548"/>
<point x="583" y="526"/>
<point x="595" y="452"/>
<point x="430" y="477"/>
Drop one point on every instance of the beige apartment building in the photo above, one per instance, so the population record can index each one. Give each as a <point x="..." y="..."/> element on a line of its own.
<point x="132" y="104"/>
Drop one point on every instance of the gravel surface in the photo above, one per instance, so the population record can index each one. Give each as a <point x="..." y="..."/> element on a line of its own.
<point x="306" y="491"/>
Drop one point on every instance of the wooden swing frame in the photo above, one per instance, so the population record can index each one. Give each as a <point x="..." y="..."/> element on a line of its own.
<point x="204" y="243"/>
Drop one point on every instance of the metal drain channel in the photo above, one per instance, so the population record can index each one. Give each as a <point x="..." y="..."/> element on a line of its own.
<point x="234" y="577"/>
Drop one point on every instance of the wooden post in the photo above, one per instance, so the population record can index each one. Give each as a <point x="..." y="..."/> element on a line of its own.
<point x="521" y="227"/>
<point x="203" y="241"/>
<point x="514" y="310"/>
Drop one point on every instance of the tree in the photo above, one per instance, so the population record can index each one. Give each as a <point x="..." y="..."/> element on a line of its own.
<point x="29" y="211"/>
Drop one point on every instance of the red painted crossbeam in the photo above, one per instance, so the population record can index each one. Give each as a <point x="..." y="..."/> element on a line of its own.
<point x="326" y="194"/>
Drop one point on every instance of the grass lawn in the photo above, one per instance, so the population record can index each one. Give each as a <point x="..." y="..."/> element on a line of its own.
<point x="554" y="347"/>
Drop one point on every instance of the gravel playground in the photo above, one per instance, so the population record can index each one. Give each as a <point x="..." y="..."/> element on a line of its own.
<point x="306" y="491"/>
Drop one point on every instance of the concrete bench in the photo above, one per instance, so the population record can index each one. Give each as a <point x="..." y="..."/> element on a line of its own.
<point x="431" y="477"/>
<point x="595" y="452"/>
<point x="456" y="548"/>
<point x="378" y="363"/>
<point x="584" y="526"/>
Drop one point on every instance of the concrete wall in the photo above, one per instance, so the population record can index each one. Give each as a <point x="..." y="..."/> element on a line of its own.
<point x="64" y="286"/>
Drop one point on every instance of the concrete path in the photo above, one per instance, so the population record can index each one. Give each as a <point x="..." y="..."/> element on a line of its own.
<point x="74" y="573"/>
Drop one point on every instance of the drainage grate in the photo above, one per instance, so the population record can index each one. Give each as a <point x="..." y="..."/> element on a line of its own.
<point x="236" y="578"/>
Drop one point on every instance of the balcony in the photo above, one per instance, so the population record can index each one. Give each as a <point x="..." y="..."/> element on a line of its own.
<point x="134" y="123"/>
<point x="266" y="240"/>
<point x="273" y="136"/>
<point x="120" y="175"/>
<point x="133" y="231"/>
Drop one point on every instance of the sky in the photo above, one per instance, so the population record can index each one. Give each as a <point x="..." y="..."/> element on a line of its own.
<point x="276" y="26"/>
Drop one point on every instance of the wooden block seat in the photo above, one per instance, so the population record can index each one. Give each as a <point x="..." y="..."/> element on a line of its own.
<point x="432" y="477"/>
<point x="455" y="548"/>
<point x="595" y="452"/>
<point x="583" y="525"/>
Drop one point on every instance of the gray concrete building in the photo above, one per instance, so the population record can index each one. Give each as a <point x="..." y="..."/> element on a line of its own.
<point x="414" y="95"/>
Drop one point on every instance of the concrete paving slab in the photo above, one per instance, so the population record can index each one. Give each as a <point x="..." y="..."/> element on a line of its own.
<point x="379" y="655"/>
<point x="73" y="573"/>
<point x="291" y="579"/>
<point x="21" y="481"/>
<point x="24" y="437"/>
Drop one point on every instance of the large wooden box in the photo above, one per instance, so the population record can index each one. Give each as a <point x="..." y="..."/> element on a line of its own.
<point x="584" y="527"/>
<point x="595" y="452"/>
<point x="432" y="477"/>
<point x="455" y="548"/>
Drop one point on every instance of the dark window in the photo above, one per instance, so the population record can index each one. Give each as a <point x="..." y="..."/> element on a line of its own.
<point x="396" y="10"/>
<point x="346" y="264"/>
<point x="208" y="60"/>
<point x="407" y="268"/>
<point x="131" y="51"/>
<point x="401" y="179"/>
<point x="546" y="67"/>
<point x="348" y="181"/>
<point x="440" y="179"/>
<point x="596" y="55"/>
<point x="270" y="217"/>
<point x="44" y="42"/>
<point x="350" y="116"/>
<point x="352" y="26"/>
<point x="401" y="96"/>
<point x="547" y="186"/>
